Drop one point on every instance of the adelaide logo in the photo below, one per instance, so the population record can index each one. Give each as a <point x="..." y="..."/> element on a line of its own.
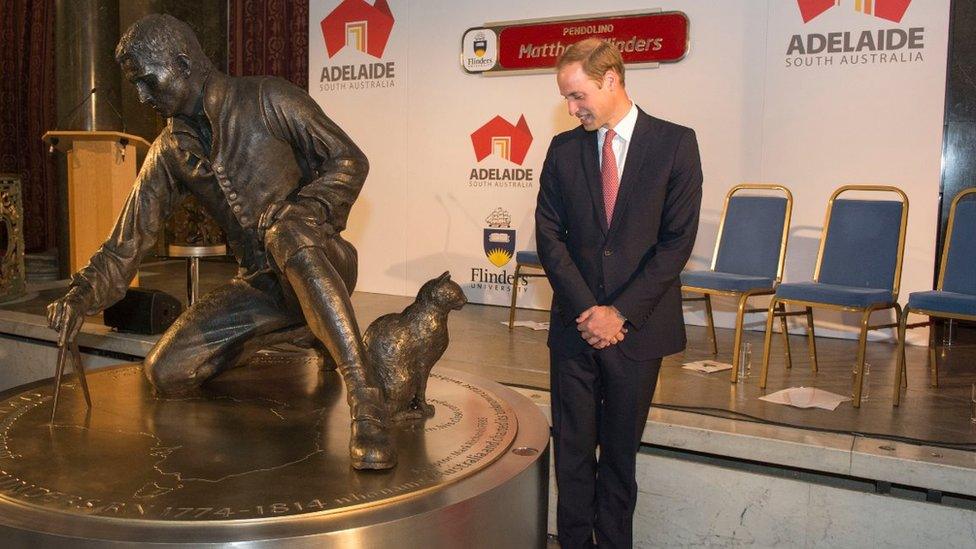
<point x="505" y="140"/>
<point x="364" y="28"/>
<point x="499" y="238"/>
<point x="501" y="138"/>
<point x="359" y="25"/>
<point x="839" y="47"/>
<point x="892" y="10"/>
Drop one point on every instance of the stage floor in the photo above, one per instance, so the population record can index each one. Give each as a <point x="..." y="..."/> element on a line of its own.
<point x="481" y="344"/>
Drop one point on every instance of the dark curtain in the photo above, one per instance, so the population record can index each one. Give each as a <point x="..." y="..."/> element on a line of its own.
<point x="268" y="37"/>
<point x="27" y="110"/>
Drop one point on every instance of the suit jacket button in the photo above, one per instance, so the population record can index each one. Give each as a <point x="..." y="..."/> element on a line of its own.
<point x="608" y="253"/>
<point x="237" y="208"/>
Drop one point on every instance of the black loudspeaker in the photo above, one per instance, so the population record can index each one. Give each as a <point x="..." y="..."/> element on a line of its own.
<point x="143" y="311"/>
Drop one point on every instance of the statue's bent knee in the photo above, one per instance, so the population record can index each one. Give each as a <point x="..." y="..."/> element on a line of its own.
<point x="168" y="373"/>
<point x="290" y="235"/>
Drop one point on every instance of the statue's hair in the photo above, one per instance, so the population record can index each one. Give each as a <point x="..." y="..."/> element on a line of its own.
<point x="596" y="56"/>
<point x="161" y="37"/>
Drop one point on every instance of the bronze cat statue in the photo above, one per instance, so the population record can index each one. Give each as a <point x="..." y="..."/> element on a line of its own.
<point x="403" y="347"/>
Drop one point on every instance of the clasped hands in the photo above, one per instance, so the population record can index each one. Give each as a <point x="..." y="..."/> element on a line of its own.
<point x="601" y="326"/>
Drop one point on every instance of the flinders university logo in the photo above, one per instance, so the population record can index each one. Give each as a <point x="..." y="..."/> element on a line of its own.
<point x="479" y="50"/>
<point x="844" y="47"/>
<point x="499" y="246"/>
<point x="357" y="25"/>
<point x="501" y="139"/>
<point x="480" y="44"/>
<point x="499" y="240"/>
<point x="892" y="10"/>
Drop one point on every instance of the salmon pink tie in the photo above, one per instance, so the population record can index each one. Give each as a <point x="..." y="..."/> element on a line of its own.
<point x="611" y="182"/>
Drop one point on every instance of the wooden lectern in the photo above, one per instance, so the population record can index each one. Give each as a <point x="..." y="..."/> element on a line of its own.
<point x="101" y="171"/>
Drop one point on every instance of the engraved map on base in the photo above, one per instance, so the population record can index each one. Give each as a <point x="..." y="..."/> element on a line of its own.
<point x="266" y="440"/>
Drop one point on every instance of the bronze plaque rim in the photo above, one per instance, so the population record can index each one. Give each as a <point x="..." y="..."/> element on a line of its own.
<point x="25" y="516"/>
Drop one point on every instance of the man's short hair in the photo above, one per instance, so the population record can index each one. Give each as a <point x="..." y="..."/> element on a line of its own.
<point x="596" y="57"/>
<point x="160" y="37"/>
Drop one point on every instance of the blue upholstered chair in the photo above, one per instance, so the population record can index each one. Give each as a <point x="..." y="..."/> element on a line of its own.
<point x="954" y="296"/>
<point x="858" y="268"/>
<point x="522" y="260"/>
<point x="748" y="257"/>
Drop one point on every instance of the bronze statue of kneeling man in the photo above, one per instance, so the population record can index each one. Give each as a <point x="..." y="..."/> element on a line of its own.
<point x="279" y="177"/>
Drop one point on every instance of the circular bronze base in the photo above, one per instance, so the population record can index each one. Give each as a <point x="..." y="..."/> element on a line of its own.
<point x="261" y="455"/>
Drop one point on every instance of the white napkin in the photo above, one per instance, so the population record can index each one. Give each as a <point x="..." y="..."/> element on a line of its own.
<point x="806" y="397"/>
<point x="707" y="366"/>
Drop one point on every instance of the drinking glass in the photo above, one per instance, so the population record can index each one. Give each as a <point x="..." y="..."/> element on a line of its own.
<point x="745" y="361"/>
<point x="866" y="386"/>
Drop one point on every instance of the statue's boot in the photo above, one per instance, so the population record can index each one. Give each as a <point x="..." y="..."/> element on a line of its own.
<point x="304" y="338"/>
<point x="325" y="304"/>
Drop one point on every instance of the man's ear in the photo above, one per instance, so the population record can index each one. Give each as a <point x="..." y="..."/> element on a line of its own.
<point x="610" y="80"/>
<point x="184" y="63"/>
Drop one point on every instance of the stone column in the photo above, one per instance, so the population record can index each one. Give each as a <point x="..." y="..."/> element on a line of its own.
<point x="86" y="34"/>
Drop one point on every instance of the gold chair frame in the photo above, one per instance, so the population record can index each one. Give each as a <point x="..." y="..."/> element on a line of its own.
<point x="903" y="326"/>
<point x="742" y="297"/>
<point x="865" y="311"/>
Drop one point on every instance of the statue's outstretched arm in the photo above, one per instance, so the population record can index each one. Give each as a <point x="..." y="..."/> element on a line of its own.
<point x="105" y="278"/>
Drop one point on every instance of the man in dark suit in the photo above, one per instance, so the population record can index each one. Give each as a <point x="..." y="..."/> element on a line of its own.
<point x="616" y="221"/>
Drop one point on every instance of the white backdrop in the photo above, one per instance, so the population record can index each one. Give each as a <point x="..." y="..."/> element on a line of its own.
<point x="811" y="128"/>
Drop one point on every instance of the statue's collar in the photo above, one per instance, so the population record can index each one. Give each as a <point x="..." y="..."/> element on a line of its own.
<point x="214" y="92"/>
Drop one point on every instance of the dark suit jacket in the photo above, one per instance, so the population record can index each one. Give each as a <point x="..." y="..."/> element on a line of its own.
<point x="635" y="263"/>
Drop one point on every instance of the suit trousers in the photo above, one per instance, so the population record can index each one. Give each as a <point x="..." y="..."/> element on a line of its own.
<point x="600" y="399"/>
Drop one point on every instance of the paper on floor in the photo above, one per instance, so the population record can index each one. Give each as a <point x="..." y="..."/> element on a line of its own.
<point x="707" y="366"/>
<point x="529" y="324"/>
<point x="806" y="397"/>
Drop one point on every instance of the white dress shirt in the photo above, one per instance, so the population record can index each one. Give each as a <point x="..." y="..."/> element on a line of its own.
<point x="625" y="131"/>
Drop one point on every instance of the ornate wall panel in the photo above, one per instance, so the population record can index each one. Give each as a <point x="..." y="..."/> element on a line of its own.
<point x="27" y="110"/>
<point x="12" y="274"/>
<point x="269" y="37"/>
